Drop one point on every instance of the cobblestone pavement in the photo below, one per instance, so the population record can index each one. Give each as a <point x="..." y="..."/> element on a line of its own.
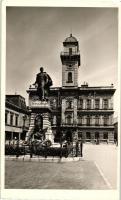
<point x="97" y="170"/>
<point x="77" y="175"/>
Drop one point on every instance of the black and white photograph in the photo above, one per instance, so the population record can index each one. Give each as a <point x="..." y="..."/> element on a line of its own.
<point x="61" y="99"/>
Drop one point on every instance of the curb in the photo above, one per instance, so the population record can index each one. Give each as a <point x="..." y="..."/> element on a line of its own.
<point x="44" y="160"/>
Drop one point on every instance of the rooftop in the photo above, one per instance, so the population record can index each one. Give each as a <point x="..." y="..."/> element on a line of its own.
<point x="70" y="39"/>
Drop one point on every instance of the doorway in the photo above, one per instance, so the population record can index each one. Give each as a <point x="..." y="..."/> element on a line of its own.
<point x="69" y="136"/>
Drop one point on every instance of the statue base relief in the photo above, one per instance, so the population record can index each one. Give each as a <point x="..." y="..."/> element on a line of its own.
<point x="49" y="135"/>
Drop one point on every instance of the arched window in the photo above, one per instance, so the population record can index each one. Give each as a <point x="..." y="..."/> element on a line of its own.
<point x="70" y="77"/>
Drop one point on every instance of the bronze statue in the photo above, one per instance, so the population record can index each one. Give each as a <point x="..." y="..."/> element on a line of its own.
<point x="43" y="82"/>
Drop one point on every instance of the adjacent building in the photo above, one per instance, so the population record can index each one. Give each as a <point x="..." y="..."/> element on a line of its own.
<point x="16" y="118"/>
<point x="116" y="130"/>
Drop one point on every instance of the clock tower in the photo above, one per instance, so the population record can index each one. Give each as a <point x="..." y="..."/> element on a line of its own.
<point x="70" y="58"/>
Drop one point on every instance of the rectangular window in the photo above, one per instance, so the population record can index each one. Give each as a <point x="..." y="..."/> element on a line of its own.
<point x="68" y="119"/>
<point x="88" y="121"/>
<point x="105" y="103"/>
<point x="96" y="103"/>
<point x="105" y="135"/>
<point x="16" y="120"/>
<point x="88" y="135"/>
<point x="88" y="103"/>
<point x="96" y="120"/>
<point x="69" y="77"/>
<point x="80" y="120"/>
<point x="106" y="119"/>
<point x="80" y="135"/>
<point x="97" y="135"/>
<point x="70" y="51"/>
<point x="6" y="117"/>
<point x="81" y="103"/>
<point x="11" y="119"/>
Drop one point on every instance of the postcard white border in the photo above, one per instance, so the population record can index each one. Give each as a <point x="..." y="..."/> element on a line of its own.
<point x="52" y="194"/>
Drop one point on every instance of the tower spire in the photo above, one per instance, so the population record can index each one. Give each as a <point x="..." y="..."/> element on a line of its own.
<point x="71" y="31"/>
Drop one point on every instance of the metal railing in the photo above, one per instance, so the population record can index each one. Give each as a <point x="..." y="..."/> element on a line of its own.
<point x="69" y="54"/>
<point x="65" y="150"/>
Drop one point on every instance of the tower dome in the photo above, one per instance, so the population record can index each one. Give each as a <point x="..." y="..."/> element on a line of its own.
<point x="70" y="39"/>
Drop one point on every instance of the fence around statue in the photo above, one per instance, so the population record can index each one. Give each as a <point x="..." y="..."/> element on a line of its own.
<point x="44" y="150"/>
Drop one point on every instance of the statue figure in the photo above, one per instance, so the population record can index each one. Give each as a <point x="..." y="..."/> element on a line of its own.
<point x="43" y="82"/>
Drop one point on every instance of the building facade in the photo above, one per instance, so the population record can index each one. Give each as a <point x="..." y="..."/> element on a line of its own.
<point x="16" y="118"/>
<point x="80" y="112"/>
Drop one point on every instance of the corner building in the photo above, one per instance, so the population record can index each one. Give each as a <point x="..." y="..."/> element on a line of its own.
<point x="80" y="112"/>
<point x="16" y="118"/>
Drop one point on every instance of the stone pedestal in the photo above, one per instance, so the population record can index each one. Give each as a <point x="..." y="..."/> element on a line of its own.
<point x="42" y="110"/>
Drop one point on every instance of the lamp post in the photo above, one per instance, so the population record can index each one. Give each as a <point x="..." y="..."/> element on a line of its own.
<point x="17" y="147"/>
<point x="61" y="144"/>
<point x="31" y="149"/>
<point x="24" y="124"/>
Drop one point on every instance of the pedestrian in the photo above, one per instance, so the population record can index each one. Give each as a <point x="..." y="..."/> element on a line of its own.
<point x="81" y="148"/>
<point x="77" y="148"/>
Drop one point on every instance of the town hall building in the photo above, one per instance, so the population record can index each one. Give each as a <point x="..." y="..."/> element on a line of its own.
<point x="80" y="112"/>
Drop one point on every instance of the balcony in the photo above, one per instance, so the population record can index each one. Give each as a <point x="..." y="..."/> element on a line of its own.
<point x="111" y="111"/>
<point x="95" y="126"/>
<point x="68" y="54"/>
<point x="69" y="125"/>
<point x="70" y="57"/>
<point x="90" y="126"/>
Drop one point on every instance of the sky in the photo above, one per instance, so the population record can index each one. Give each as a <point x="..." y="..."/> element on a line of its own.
<point x="35" y="35"/>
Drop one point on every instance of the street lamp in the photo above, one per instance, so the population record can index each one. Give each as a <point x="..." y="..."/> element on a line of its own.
<point x="61" y="136"/>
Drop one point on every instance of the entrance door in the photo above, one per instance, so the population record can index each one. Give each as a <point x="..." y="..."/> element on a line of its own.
<point x="80" y="135"/>
<point x="69" y="136"/>
<point x="97" y="135"/>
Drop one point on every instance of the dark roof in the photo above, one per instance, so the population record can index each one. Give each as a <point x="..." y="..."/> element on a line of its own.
<point x="70" y="39"/>
<point x="16" y="102"/>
